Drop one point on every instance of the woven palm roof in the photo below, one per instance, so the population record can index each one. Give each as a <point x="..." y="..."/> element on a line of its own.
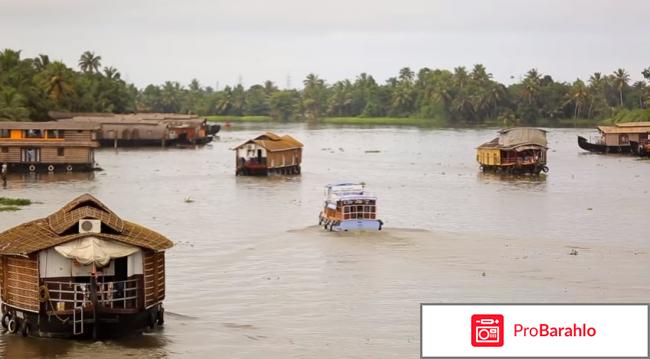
<point x="60" y="227"/>
<point x="272" y="142"/>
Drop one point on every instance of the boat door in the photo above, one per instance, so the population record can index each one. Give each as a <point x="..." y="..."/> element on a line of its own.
<point x="30" y="155"/>
<point x="259" y="156"/>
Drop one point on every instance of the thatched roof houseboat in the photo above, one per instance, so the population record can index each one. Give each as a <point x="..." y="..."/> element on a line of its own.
<point x="269" y="153"/>
<point x="619" y="138"/>
<point x="515" y="150"/>
<point x="48" y="146"/>
<point x="147" y="129"/>
<point x="82" y="271"/>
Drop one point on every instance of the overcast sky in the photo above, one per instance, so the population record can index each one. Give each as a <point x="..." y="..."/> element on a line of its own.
<point x="255" y="40"/>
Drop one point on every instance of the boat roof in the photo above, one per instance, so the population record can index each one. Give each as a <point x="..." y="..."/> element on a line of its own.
<point x="272" y="142"/>
<point x="511" y="138"/>
<point x="47" y="125"/>
<point x="625" y="129"/>
<point x="347" y="191"/>
<point x="56" y="229"/>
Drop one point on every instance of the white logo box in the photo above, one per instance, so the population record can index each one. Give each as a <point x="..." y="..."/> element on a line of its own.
<point x="619" y="330"/>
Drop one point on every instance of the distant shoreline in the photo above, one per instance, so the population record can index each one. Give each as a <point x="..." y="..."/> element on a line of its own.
<point x="407" y="121"/>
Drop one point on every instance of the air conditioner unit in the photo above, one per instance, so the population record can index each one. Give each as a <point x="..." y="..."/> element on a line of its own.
<point x="90" y="226"/>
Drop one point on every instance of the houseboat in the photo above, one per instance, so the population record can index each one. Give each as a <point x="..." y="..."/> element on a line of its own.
<point x="146" y="129"/>
<point x="82" y="272"/>
<point x="515" y="150"/>
<point x="268" y="154"/>
<point x="48" y="146"/>
<point x="349" y="207"/>
<point x="618" y="138"/>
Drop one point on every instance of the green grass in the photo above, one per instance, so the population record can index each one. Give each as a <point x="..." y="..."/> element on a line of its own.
<point x="218" y="118"/>
<point x="5" y="201"/>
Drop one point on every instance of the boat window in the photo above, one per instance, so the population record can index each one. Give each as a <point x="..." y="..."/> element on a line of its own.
<point x="346" y="209"/>
<point x="4" y="133"/>
<point x="33" y="133"/>
<point x="5" y="149"/>
<point x="60" y="151"/>
<point x="54" y="134"/>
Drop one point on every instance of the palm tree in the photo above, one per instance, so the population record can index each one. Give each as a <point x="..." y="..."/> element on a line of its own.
<point x="56" y="80"/>
<point x="12" y="105"/>
<point x="640" y="91"/>
<point x="480" y="74"/>
<point x="313" y="95"/>
<point x="621" y="78"/>
<point x="41" y="61"/>
<point x="9" y="58"/>
<point x="89" y="63"/>
<point x="111" y="73"/>
<point x="406" y="75"/>
<point x="577" y="95"/>
<point x="460" y="76"/>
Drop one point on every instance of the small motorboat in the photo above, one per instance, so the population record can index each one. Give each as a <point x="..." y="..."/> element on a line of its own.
<point x="348" y="207"/>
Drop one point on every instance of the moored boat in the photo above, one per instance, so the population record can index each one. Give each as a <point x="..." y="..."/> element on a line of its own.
<point x="80" y="272"/>
<point x="348" y="207"/>
<point x="619" y="138"/>
<point x="268" y="154"/>
<point x="515" y="150"/>
<point x="48" y="146"/>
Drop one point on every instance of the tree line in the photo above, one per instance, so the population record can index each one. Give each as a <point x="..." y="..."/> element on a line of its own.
<point x="30" y="87"/>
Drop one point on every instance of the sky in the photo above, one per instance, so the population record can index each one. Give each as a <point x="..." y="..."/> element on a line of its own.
<point x="250" y="41"/>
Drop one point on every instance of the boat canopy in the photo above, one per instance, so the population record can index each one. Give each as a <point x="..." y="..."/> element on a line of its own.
<point x="92" y="250"/>
<point x="522" y="136"/>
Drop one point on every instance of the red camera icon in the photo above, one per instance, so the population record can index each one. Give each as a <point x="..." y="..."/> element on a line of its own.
<point x="487" y="330"/>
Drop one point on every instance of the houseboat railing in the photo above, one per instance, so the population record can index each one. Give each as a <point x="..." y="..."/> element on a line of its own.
<point x="68" y="295"/>
<point x="252" y="161"/>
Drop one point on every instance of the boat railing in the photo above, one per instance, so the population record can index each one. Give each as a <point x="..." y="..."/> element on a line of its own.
<point x="68" y="295"/>
<point x="520" y="160"/>
<point x="597" y="140"/>
<point x="253" y="161"/>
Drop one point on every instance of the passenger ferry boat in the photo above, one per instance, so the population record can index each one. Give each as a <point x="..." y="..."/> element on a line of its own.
<point x="515" y="150"/>
<point x="48" y="146"/>
<point x="82" y="272"/>
<point x="349" y="207"/>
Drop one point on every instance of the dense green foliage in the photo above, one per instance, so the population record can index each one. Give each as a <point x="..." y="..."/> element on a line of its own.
<point x="31" y="87"/>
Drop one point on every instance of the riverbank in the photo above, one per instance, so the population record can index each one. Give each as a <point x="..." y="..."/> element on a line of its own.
<point x="414" y="121"/>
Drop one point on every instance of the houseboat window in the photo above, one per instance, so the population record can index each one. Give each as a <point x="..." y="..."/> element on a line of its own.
<point x="60" y="151"/>
<point x="33" y="133"/>
<point x="31" y="155"/>
<point x="54" y="134"/>
<point x="5" y="149"/>
<point x="4" y="133"/>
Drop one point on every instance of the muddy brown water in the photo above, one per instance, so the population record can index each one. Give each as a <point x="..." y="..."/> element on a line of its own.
<point x="251" y="275"/>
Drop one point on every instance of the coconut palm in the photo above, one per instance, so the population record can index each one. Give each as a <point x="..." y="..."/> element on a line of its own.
<point x="8" y="59"/>
<point x="12" y="105"/>
<point x="41" y="61"/>
<point x="89" y="63"/>
<point x="56" y="80"/>
<point x="577" y="95"/>
<point x="620" y="80"/>
<point x="406" y="75"/>
<point x="111" y="73"/>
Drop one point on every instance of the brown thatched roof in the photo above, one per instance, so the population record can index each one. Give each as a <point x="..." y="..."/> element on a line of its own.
<point x="60" y="227"/>
<point x="272" y="142"/>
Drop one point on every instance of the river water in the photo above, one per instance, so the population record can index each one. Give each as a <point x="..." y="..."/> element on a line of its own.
<point x="250" y="275"/>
